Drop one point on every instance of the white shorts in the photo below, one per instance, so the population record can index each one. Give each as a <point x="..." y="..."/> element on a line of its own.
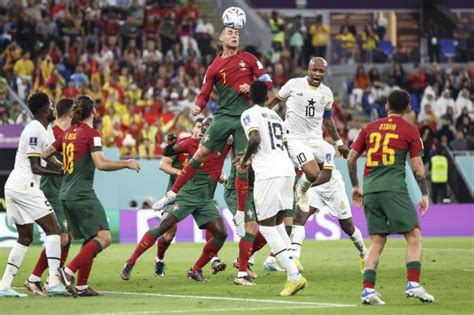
<point x="300" y="152"/>
<point x="26" y="206"/>
<point x="332" y="197"/>
<point x="272" y="195"/>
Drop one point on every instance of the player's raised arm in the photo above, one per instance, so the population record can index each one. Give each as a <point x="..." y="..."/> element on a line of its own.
<point x="328" y="122"/>
<point x="103" y="164"/>
<point x="205" y="93"/>
<point x="166" y="166"/>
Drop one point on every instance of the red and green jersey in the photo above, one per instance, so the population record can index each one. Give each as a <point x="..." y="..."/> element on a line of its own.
<point x="50" y="185"/>
<point x="77" y="144"/>
<point x="214" y="162"/>
<point x="227" y="75"/>
<point x="387" y="141"/>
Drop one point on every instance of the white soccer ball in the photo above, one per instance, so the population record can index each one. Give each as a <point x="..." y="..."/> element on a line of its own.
<point x="234" y="17"/>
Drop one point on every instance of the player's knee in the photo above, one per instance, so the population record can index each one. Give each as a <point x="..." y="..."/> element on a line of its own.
<point x="64" y="239"/>
<point x="221" y="234"/>
<point x="348" y="228"/>
<point x="51" y="229"/>
<point x="251" y="227"/>
<point x="169" y="235"/>
<point x="105" y="238"/>
<point x="25" y="240"/>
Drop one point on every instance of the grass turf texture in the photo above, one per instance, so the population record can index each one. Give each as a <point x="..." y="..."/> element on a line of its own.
<point x="331" y="268"/>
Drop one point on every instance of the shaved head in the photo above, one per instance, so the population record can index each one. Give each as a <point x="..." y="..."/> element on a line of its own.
<point x="318" y="61"/>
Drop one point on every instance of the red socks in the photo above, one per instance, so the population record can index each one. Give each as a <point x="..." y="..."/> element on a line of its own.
<point x="210" y="250"/>
<point x="84" y="272"/>
<point x="242" y="188"/>
<point x="162" y="247"/>
<point x="87" y="253"/>
<point x="245" y="251"/>
<point x="146" y="242"/>
<point x="42" y="263"/>
<point x="258" y="243"/>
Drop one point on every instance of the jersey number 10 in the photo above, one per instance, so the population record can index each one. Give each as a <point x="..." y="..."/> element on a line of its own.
<point x="68" y="157"/>
<point x="388" y="154"/>
<point x="276" y="135"/>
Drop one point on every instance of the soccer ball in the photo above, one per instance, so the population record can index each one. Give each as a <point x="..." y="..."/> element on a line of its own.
<point x="234" y="17"/>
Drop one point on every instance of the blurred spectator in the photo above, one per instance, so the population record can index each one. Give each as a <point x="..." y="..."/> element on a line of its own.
<point x="277" y="27"/>
<point x="347" y="42"/>
<point x="427" y="137"/>
<point x="360" y="85"/>
<point x="147" y="203"/>
<point x="204" y="34"/>
<point x="397" y="74"/>
<point x="441" y="105"/>
<point x="23" y="118"/>
<point x="319" y="33"/>
<point x="460" y="143"/>
<point x="445" y="131"/>
<point x="296" y="41"/>
<point x="369" y="43"/>
<point x="174" y="104"/>
<point x="464" y="123"/>
<point x="5" y="119"/>
<point x="381" y="24"/>
<point x="348" y="26"/>
<point x="439" y="176"/>
<point x="433" y="43"/>
<point x="463" y="101"/>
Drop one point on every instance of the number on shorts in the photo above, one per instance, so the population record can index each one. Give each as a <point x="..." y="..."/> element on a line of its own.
<point x="276" y="135"/>
<point x="68" y="157"/>
<point x="301" y="158"/>
<point x="46" y="202"/>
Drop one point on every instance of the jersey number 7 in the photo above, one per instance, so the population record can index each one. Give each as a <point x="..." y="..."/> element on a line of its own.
<point x="388" y="154"/>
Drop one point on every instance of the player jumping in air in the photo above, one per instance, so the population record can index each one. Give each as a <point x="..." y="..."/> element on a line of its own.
<point x="27" y="204"/>
<point x="50" y="185"/>
<point x="231" y="73"/>
<point x="81" y="147"/>
<point x="387" y="205"/>
<point x="274" y="179"/>
<point x="171" y="165"/>
<point x="308" y="104"/>
<point x="327" y="192"/>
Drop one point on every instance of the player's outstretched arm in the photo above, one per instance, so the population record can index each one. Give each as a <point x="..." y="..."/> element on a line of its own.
<point x="166" y="166"/>
<point x="419" y="172"/>
<point x="274" y="100"/>
<point x="105" y="165"/>
<point x="332" y="130"/>
<point x="36" y="168"/>
<point x="352" y="166"/>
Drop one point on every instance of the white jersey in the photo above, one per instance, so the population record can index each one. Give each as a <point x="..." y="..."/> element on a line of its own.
<point x="305" y="106"/>
<point x="271" y="159"/>
<point x="324" y="154"/>
<point x="34" y="141"/>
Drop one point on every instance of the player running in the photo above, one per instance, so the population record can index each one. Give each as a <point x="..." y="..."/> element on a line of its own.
<point x="308" y="103"/>
<point x="50" y="186"/>
<point x="171" y="165"/>
<point x="327" y="192"/>
<point x="387" y="205"/>
<point x="26" y="203"/>
<point x="81" y="147"/>
<point x="231" y="73"/>
<point x="274" y="178"/>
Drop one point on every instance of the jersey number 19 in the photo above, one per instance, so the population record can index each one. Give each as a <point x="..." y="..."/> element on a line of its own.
<point x="276" y="135"/>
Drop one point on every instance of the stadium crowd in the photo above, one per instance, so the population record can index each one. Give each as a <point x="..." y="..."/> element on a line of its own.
<point x="144" y="66"/>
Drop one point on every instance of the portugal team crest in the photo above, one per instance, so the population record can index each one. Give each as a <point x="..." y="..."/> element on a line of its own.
<point x="242" y="64"/>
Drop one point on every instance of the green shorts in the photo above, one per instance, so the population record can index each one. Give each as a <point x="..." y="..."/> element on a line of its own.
<point x="219" y="131"/>
<point x="230" y="197"/>
<point x="389" y="212"/>
<point x="58" y="211"/>
<point x="196" y="198"/>
<point x="85" y="217"/>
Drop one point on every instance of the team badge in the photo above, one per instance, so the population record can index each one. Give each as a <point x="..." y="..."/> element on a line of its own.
<point x="175" y="207"/>
<point x="247" y="120"/>
<point x="242" y="64"/>
<point x="250" y="213"/>
<point x="33" y="140"/>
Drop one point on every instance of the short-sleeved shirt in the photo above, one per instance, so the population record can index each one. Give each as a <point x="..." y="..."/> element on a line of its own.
<point x="34" y="140"/>
<point x="271" y="159"/>
<point x="305" y="106"/>
<point x="76" y="145"/>
<point x="387" y="141"/>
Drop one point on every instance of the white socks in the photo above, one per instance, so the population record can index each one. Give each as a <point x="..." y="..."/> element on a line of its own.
<point x="273" y="236"/>
<point x="305" y="184"/>
<point x="15" y="259"/>
<point x="298" y="235"/>
<point x="358" y="241"/>
<point x="52" y="246"/>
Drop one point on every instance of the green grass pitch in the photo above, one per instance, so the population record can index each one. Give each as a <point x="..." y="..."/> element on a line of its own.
<point x="331" y="268"/>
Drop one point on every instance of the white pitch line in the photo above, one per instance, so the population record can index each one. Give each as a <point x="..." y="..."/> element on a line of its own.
<point x="469" y="270"/>
<point x="219" y="298"/>
<point x="239" y="309"/>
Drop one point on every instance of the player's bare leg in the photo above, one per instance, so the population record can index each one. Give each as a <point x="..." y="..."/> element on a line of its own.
<point x="413" y="263"/>
<point x="186" y="174"/>
<point x="356" y="236"/>
<point x="168" y="223"/>
<point x="210" y="250"/>
<point x="310" y="173"/>
<point x="371" y="261"/>
<point x="276" y="236"/>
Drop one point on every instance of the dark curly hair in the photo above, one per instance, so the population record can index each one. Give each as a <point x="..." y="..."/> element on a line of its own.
<point x="82" y="108"/>
<point x="37" y="102"/>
